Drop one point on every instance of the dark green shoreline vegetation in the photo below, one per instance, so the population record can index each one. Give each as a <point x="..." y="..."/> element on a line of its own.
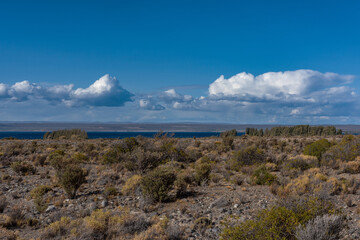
<point x="298" y="130"/>
<point x="66" y="134"/>
<point x="226" y="187"/>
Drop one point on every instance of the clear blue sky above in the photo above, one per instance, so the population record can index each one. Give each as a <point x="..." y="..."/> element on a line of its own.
<point x="165" y="55"/>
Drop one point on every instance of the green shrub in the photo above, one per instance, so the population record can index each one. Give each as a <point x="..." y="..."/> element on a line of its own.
<point x="273" y="224"/>
<point x="262" y="176"/>
<point x="23" y="168"/>
<point x="113" y="155"/>
<point x="80" y="158"/>
<point x="71" y="178"/>
<point x="247" y="156"/>
<point x="317" y="148"/>
<point x="157" y="183"/>
<point x="202" y="172"/>
<point x="131" y="144"/>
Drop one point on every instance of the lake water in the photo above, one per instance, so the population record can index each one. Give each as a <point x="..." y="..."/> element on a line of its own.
<point x="94" y="135"/>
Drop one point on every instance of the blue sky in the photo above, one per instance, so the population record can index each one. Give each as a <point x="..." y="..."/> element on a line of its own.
<point x="162" y="61"/>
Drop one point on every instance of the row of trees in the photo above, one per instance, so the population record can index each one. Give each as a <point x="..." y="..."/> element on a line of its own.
<point x="298" y="130"/>
<point x="66" y="134"/>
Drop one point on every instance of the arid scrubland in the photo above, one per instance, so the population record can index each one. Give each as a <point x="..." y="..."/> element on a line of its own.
<point x="248" y="187"/>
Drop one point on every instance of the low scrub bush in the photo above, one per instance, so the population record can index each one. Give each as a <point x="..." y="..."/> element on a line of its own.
<point x="275" y="223"/>
<point x="312" y="182"/>
<point x="39" y="191"/>
<point x="301" y="162"/>
<point x="347" y="150"/>
<point x="247" y="156"/>
<point x="157" y="183"/>
<point x="57" y="229"/>
<point x="110" y="192"/>
<point x="352" y="167"/>
<point x="326" y="227"/>
<point x="262" y="176"/>
<point x="23" y="168"/>
<point x="37" y="194"/>
<point x="278" y="222"/>
<point x="317" y="148"/>
<point x="202" y="172"/>
<point x="98" y="221"/>
<point x="131" y="185"/>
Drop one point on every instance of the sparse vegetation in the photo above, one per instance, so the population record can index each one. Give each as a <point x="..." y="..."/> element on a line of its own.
<point x="229" y="187"/>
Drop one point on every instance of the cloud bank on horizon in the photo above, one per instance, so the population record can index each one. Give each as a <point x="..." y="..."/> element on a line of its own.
<point x="279" y="97"/>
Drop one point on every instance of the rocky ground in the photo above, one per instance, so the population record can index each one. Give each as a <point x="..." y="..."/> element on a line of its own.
<point x="200" y="213"/>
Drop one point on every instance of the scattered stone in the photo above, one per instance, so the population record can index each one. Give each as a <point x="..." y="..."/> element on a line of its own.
<point x="50" y="208"/>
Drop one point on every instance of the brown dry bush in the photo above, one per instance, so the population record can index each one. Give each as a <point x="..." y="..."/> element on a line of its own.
<point x="23" y="168"/>
<point x="326" y="227"/>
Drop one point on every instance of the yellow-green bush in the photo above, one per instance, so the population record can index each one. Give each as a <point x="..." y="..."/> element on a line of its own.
<point x="98" y="220"/>
<point x="57" y="229"/>
<point x="39" y="191"/>
<point x="273" y="224"/>
<point x="312" y="181"/>
<point x="352" y="167"/>
<point x="279" y="222"/>
<point x="131" y="185"/>
<point x="202" y="171"/>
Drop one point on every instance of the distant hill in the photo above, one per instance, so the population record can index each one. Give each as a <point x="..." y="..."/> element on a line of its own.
<point x="144" y="127"/>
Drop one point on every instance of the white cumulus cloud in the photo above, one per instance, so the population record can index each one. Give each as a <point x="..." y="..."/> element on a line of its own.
<point x="274" y="84"/>
<point x="105" y="91"/>
<point x="20" y="91"/>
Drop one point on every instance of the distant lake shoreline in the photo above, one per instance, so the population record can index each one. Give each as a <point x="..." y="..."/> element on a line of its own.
<point x="108" y="134"/>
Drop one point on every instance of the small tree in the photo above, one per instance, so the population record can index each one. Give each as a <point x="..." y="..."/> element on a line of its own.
<point x="71" y="179"/>
<point x="68" y="171"/>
